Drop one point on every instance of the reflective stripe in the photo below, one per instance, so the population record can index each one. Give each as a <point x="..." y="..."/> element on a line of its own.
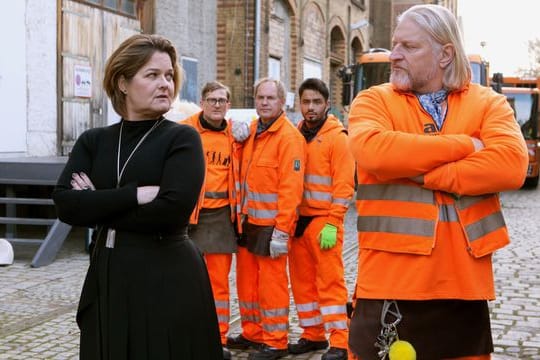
<point x="333" y="309"/>
<point x="270" y="198"/>
<point x="485" y="225"/>
<point x="222" y="304"/>
<point x="216" y="195"/>
<point x="275" y="327"/>
<point x="466" y="201"/>
<point x="341" y="201"/>
<point x="394" y="192"/>
<point x="249" y="305"/>
<point x="275" y="312"/>
<point x="237" y="185"/>
<point x="447" y="213"/>
<point x="262" y="214"/>
<point x="335" y="325"/>
<point x="318" y="179"/>
<point x="312" y="321"/>
<point x="307" y="307"/>
<point x="223" y="318"/>
<point x="396" y="225"/>
<point x="317" y="195"/>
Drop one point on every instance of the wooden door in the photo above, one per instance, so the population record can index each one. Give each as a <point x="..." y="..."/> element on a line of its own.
<point x="88" y="36"/>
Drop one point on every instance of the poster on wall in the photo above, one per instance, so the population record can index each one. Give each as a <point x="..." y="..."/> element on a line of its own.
<point x="82" y="81"/>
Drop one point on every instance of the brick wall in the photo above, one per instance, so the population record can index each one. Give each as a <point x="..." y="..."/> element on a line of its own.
<point x="291" y="30"/>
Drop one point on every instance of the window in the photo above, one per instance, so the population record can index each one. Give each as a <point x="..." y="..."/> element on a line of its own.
<point x="189" y="88"/>
<point x="274" y="68"/>
<point x="124" y="7"/>
<point x="312" y="69"/>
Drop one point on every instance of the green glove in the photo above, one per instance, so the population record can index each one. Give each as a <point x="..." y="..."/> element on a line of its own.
<point x="328" y="237"/>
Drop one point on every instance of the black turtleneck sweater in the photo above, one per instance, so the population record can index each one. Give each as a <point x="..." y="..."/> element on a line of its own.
<point x="170" y="157"/>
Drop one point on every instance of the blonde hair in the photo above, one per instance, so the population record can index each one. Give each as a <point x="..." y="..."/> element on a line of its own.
<point x="442" y="27"/>
<point x="129" y="58"/>
<point x="279" y="85"/>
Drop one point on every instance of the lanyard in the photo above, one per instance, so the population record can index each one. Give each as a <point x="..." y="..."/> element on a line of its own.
<point x="120" y="172"/>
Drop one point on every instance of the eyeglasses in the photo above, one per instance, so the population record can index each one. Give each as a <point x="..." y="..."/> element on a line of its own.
<point x="214" y="101"/>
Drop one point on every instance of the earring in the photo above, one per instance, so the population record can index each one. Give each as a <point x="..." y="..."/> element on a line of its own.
<point x="124" y="91"/>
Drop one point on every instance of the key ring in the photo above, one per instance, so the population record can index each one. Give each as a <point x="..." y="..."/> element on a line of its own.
<point x="387" y="310"/>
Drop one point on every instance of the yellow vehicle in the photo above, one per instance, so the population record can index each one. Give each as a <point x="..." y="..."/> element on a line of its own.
<point x="372" y="68"/>
<point x="525" y="102"/>
<point x="479" y="69"/>
<point x="526" y="82"/>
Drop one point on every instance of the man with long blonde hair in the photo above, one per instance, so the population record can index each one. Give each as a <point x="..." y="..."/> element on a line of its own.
<point x="433" y="150"/>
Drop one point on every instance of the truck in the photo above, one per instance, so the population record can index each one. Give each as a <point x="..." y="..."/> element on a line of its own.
<point x="479" y="69"/>
<point x="525" y="103"/>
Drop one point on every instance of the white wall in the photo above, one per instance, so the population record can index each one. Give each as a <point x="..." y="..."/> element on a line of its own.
<point x="28" y="116"/>
<point x="13" y="122"/>
<point x="41" y="77"/>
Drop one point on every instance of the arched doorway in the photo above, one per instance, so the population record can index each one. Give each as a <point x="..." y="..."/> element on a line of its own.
<point x="337" y="60"/>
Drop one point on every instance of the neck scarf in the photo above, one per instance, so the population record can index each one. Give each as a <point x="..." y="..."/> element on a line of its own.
<point x="205" y="124"/>
<point x="262" y="127"/>
<point x="310" y="133"/>
<point x="432" y="103"/>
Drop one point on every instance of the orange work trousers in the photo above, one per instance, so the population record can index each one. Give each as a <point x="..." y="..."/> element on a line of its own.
<point x="219" y="266"/>
<point x="318" y="286"/>
<point x="263" y="296"/>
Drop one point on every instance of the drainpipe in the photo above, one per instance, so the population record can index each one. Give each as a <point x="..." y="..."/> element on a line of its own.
<point x="257" y="39"/>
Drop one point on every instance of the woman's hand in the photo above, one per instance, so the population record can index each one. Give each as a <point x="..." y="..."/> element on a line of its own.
<point x="80" y="181"/>
<point x="145" y="194"/>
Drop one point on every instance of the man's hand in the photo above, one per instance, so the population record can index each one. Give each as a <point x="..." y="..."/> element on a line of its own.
<point x="240" y="130"/>
<point x="278" y="243"/>
<point x="328" y="237"/>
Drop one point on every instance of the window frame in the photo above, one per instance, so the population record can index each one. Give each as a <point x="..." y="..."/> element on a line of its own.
<point x="117" y="10"/>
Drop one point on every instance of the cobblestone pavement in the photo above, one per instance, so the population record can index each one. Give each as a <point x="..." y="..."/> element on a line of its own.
<point x="37" y="306"/>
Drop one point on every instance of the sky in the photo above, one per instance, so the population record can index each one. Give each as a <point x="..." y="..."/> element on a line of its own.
<point x="505" y="29"/>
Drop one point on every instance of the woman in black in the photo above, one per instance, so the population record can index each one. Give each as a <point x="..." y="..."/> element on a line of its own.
<point x="146" y="294"/>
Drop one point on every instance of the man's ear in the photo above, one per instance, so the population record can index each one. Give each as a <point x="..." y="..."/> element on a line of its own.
<point x="447" y="55"/>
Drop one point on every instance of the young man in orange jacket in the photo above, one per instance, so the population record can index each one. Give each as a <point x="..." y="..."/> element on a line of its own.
<point x="212" y="223"/>
<point x="315" y="258"/>
<point x="272" y="173"/>
<point x="433" y="150"/>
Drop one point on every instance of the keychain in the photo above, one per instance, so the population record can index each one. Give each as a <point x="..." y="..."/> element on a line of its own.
<point x="388" y="340"/>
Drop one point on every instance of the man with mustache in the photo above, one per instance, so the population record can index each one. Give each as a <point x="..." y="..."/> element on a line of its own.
<point x="433" y="150"/>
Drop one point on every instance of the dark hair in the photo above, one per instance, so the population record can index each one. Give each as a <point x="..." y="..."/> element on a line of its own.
<point x="315" y="85"/>
<point x="213" y="86"/>
<point x="130" y="57"/>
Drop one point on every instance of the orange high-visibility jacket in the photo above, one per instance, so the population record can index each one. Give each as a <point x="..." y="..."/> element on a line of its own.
<point x="393" y="138"/>
<point x="272" y="174"/>
<point x="221" y="183"/>
<point x="329" y="176"/>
